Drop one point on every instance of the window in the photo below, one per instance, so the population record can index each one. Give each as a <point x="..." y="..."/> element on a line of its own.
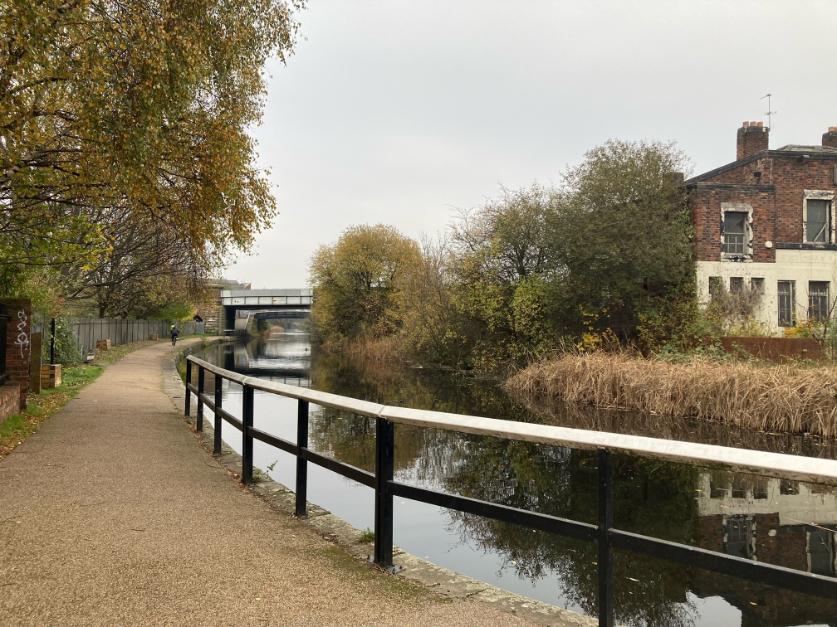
<point x="718" y="484"/>
<point x="786" y="486"/>
<point x="817" y="220"/>
<point x="757" y="285"/>
<point x="734" y="233"/>
<point x="736" y="284"/>
<point x="818" y="304"/>
<point x="787" y="298"/>
<point x="739" y="486"/>
<point x="821" y="551"/>
<point x="716" y="286"/>
<point x="739" y="536"/>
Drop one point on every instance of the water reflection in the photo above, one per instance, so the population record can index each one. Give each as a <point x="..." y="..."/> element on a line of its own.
<point x="785" y="523"/>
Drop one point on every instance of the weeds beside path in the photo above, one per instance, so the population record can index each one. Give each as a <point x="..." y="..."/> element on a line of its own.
<point x="17" y="427"/>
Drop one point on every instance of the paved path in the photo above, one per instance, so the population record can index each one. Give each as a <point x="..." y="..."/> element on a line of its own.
<point x="113" y="514"/>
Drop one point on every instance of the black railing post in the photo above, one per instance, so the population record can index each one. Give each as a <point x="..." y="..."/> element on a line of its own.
<point x="216" y="439"/>
<point x="201" y="385"/>
<point x="247" y="436"/>
<point x="301" y="462"/>
<point x="186" y="408"/>
<point x="52" y="341"/>
<point x="605" y="565"/>
<point x="384" y="463"/>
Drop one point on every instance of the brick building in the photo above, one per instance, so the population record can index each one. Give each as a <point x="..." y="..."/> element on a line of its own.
<point x="767" y="221"/>
<point x="770" y="520"/>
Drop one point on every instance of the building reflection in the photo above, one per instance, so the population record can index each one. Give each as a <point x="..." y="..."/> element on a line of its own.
<point x="787" y="523"/>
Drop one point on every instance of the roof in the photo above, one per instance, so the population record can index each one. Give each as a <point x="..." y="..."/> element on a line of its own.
<point x="791" y="150"/>
<point x="821" y="150"/>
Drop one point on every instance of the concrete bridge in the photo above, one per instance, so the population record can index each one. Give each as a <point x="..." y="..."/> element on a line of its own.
<point x="241" y="308"/>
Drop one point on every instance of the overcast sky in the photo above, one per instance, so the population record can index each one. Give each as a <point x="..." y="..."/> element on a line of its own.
<point x="404" y="111"/>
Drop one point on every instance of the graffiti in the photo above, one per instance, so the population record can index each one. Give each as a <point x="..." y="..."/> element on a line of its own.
<point x="22" y="339"/>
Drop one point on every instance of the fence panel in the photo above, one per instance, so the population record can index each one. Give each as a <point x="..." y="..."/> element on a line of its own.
<point x="88" y="331"/>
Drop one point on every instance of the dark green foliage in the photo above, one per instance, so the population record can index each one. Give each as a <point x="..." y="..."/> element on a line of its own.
<point x="66" y="349"/>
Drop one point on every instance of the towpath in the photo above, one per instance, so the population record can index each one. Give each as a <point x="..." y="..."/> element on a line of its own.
<point x="112" y="514"/>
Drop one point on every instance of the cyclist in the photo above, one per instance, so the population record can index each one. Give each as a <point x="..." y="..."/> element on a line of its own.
<point x="174" y="333"/>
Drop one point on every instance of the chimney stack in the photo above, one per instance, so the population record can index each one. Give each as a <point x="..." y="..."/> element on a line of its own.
<point x="829" y="138"/>
<point x="752" y="138"/>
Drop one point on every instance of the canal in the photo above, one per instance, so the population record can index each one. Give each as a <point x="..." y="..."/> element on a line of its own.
<point x="774" y="521"/>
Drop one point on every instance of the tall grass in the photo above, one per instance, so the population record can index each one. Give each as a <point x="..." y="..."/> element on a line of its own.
<point x="384" y="349"/>
<point x="768" y="398"/>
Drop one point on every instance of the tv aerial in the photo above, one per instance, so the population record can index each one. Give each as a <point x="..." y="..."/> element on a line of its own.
<point x="770" y="112"/>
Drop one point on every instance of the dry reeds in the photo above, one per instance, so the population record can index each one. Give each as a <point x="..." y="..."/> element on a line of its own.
<point x="364" y="350"/>
<point x="768" y="398"/>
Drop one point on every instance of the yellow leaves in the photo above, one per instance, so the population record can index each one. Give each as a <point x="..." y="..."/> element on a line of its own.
<point x="132" y="105"/>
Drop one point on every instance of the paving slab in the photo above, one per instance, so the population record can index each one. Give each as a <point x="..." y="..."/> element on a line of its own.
<point x="112" y="514"/>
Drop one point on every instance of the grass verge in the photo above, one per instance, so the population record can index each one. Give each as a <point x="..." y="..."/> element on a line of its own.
<point x="17" y="427"/>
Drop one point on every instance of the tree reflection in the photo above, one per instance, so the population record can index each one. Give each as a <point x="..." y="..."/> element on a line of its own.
<point x="728" y="512"/>
<point x="563" y="482"/>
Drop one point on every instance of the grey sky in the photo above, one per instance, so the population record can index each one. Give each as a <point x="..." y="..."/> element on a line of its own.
<point x="403" y="111"/>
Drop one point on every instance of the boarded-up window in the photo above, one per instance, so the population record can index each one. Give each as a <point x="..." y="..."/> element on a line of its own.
<point x="821" y="551"/>
<point x="818" y="300"/>
<point x="818" y="220"/>
<point x="787" y="297"/>
<point x="736" y="284"/>
<point x="757" y="285"/>
<point x="735" y="231"/>
<point x="739" y="534"/>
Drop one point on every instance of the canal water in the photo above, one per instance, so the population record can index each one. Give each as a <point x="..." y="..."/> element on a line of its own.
<point x="762" y="518"/>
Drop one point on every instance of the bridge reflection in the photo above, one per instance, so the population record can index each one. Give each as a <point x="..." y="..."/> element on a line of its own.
<point x="285" y="358"/>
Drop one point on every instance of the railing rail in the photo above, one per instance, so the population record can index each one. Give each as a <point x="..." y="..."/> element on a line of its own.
<point x="603" y="532"/>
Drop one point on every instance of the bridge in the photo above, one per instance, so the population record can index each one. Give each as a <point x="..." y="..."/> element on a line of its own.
<point x="241" y="308"/>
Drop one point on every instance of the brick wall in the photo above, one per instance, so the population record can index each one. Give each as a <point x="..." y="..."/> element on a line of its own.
<point x="706" y="202"/>
<point x="18" y="348"/>
<point x="777" y="198"/>
<point x="9" y="400"/>
<point x="792" y="176"/>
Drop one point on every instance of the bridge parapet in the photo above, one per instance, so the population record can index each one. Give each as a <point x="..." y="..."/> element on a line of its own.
<point x="279" y="297"/>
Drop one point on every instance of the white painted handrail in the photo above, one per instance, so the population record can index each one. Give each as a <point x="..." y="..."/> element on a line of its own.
<point x="794" y="467"/>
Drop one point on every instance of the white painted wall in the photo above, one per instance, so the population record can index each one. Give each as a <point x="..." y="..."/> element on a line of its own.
<point x="806" y="507"/>
<point x="801" y="266"/>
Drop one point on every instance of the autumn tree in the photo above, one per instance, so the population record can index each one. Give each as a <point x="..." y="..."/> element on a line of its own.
<point x="427" y="309"/>
<point x="501" y="272"/>
<point x="132" y="109"/>
<point x="357" y="280"/>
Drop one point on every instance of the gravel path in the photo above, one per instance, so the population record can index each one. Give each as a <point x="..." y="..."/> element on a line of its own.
<point x="112" y="514"/>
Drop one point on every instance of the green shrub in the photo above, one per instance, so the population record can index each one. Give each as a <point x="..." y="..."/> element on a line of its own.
<point x="66" y="348"/>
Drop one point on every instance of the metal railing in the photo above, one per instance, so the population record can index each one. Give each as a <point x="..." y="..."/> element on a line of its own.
<point x="603" y="532"/>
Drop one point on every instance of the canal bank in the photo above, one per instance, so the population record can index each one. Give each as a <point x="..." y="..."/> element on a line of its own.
<point x="665" y="500"/>
<point x="429" y="576"/>
<point x="111" y="514"/>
